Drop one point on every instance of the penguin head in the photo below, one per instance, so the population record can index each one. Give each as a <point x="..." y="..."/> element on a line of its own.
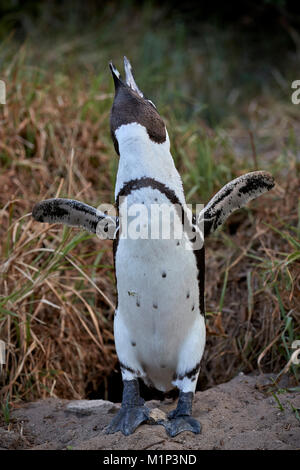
<point x="131" y="106"/>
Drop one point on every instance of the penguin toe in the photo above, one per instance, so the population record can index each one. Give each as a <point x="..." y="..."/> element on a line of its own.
<point x="128" y="419"/>
<point x="179" y="424"/>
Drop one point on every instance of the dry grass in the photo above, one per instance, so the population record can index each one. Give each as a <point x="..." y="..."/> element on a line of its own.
<point x="57" y="286"/>
<point x="254" y="324"/>
<point x="57" y="325"/>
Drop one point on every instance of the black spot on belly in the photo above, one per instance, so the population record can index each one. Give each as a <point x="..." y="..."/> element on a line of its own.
<point x="188" y="295"/>
<point x="145" y="182"/>
<point x="133" y="343"/>
<point x="164" y="274"/>
<point x="155" y="306"/>
<point x="193" y="308"/>
<point x="138" y="303"/>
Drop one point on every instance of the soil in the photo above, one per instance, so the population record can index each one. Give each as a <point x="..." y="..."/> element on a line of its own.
<point x="239" y="414"/>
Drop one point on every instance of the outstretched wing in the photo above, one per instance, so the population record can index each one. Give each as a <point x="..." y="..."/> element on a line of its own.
<point x="75" y="214"/>
<point x="232" y="196"/>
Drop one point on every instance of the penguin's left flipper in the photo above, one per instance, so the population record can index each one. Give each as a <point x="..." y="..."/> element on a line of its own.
<point x="75" y="214"/>
<point x="232" y="196"/>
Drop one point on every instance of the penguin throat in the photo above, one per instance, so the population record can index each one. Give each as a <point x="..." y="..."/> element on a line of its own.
<point x="134" y="141"/>
<point x="140" y="157"/>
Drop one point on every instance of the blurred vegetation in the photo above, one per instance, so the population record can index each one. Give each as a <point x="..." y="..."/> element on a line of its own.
<point x="223" y="85"/>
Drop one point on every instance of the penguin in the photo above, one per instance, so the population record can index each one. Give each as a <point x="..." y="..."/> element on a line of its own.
<point x="159" y="322"/>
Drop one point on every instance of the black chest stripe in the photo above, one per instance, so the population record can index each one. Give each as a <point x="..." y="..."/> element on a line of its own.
<point x="140" y="183"/>
<point x="189" y="374"/>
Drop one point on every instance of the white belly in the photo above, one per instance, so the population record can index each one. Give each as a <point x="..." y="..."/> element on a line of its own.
<point x="158" y="307"/>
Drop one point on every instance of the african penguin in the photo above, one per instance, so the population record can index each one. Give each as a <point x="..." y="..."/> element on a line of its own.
<point x="159" y="323"/>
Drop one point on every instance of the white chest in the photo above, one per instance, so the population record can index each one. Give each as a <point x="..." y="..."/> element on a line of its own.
<point x="158" y="292"/>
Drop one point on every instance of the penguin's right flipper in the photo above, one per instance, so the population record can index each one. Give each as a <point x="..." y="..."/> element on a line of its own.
<point x="232" y="196"/>
<point x="75" y="214"/>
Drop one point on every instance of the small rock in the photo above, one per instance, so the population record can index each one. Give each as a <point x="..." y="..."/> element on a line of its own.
<point x="87" y="407"/>
<point x="157" y="415"/>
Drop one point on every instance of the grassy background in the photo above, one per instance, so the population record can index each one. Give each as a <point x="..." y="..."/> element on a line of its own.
<point x="224" y="90"/>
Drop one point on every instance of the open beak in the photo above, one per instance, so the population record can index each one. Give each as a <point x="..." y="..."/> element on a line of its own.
<point x="115" y="74"/>
<point x="130" y="81"/>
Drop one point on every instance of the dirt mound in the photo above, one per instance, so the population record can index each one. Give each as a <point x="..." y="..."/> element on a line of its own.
<point x="235" y="415"/>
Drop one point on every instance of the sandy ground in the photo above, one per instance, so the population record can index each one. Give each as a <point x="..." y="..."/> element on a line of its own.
<point x="235" y="415"/>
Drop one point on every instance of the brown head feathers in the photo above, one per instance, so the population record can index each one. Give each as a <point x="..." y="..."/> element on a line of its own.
<point x="130" y="105"/>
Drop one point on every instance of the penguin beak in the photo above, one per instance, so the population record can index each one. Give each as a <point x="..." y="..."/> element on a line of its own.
<point x="130" y="81"/>
<point x="116" y="75"/>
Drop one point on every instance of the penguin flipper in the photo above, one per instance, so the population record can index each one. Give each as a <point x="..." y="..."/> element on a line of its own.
<point x="75" y="214"/>
<point x="234" y="195"/>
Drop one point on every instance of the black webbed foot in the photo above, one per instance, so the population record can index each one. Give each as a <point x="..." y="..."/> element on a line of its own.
<point x="128" y="419"/>
<point x="180" y="419"/>
<point x="133" y="412"/>
<point x="174" y="426"/>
